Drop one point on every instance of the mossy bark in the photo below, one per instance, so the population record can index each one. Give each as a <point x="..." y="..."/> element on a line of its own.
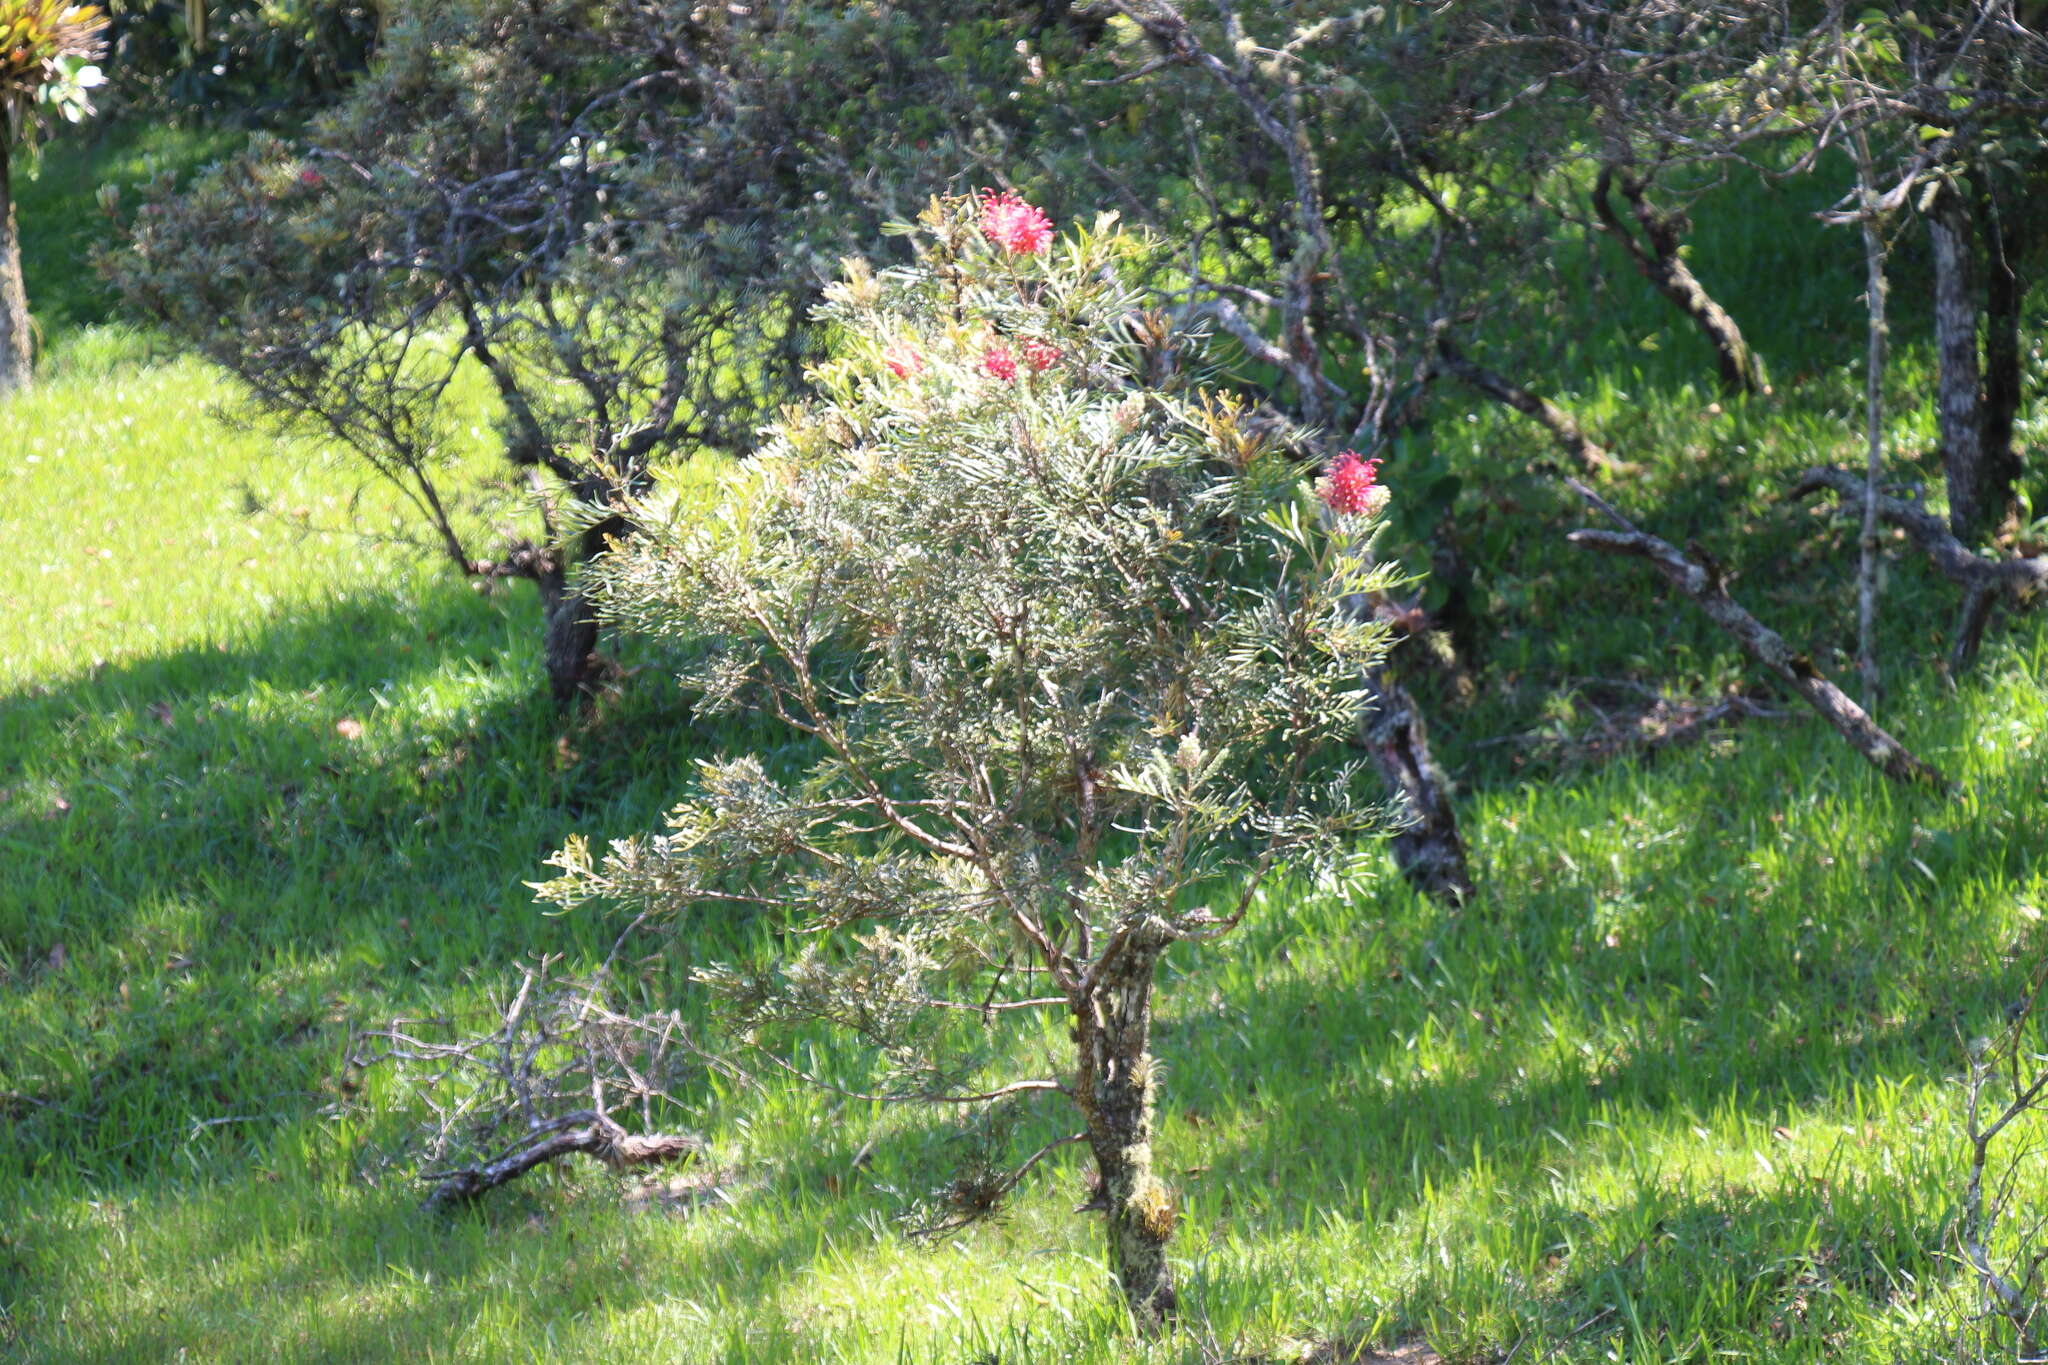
<point x="1116" y="1090"/>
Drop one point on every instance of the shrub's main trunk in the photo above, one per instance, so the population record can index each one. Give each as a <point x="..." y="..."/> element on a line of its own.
<point x="568" y="638"/>
<point x="1115" y="1087"/>
<point x="568" y="624"/>
<point x="15" y="352"/>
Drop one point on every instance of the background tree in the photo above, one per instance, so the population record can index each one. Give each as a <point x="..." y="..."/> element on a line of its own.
<point x="1951" y="103"/>
<point x="240" y="61"/>
<point x="46" y="53"/>
<point x="1075" y="659"/>
<point x="615" y="216"/>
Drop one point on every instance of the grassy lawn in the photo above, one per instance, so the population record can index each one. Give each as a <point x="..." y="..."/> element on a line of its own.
<point x="1677" y="1088"/>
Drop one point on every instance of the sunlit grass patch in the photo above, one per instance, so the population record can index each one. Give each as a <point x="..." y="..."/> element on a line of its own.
<point x="1676" y="1088"/>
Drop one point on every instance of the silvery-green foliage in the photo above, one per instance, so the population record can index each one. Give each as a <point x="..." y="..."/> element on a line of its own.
<point x="1072" y="655"/>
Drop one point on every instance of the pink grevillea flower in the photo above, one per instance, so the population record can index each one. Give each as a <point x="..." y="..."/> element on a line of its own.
<point x="1349" y="484"/>
<point x="1017" y="227"/>
<point x="311" y="178"/>
<point x="1040" y="356"/>
<point x="998" y="361"/>
<point x="903" y="361"/>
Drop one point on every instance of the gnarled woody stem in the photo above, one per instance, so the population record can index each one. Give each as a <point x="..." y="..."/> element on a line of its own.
<point x="588" y="1132"/>
<point x="1985" y="581"/>
<point x="15" y="351"/>
<point x="1562" y="426"/>
<point x="1660" y="259"/>
<point x="1114" y="1085"/>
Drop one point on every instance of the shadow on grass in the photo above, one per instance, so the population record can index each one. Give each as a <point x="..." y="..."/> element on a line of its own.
<point x="1775" y="949"/>
<point x="217" y="858"/>
<point x="361" y="1278"/>
<point x="237" y="871"/>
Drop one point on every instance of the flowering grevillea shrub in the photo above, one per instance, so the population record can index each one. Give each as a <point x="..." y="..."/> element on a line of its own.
<point x="1073" y="662"/>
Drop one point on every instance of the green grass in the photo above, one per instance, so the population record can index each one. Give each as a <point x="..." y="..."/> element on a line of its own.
<point x="1675" y="1089"/>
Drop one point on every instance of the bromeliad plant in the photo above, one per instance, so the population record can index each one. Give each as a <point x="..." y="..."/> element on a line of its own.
<point x="1075" y="663"/>
<point x="47" y="51"/>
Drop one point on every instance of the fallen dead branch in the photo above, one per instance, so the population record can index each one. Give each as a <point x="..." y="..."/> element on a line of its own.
<point x="1646" y="723"/>
<point x="586" y="1131"/>
<point x="1704" y="585"/>
<point x="1986" y="582"/>
<point x="550" y="1080"/>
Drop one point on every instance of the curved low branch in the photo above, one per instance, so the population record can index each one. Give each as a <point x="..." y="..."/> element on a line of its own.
<point x="2024" y="581"/>
<point x="1561" y="425"/>
<point x="1986" y="582"/>
<point x="586" y="1131"/>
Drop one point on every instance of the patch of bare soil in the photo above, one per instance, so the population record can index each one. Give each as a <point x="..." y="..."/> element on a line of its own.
<point x="685" y="1193"/>
<point x="1415" y="1352"/>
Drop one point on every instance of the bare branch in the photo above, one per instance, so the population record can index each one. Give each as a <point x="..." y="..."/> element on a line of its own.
<point x="1561" y="425"/>
<point x="1704" y="585"/>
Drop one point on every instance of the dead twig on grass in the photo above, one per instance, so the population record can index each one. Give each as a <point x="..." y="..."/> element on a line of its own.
<point x="549" y="1081"/>
<point x="2010" y="1285"/>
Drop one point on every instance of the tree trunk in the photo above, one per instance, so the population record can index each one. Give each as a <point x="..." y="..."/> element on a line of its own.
<point x="1115" y="1088"/>
<point x="15" y="353"/>
<point x="2004" y="294"/>
<point x="1877" y="337"/>
<point x="1666" y="270"/>
<point x="569" y="639"/>
<point x="1428" y="849"/>
<point x="568" y="624"/>
<point x="1977" y="497"/>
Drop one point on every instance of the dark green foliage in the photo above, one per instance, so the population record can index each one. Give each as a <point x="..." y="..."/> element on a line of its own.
<point x="256" y="61"/>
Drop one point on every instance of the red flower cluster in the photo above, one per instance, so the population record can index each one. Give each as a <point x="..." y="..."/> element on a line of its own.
<point x="311" y="178"/>
<point x="903" y="361"/>
<point x="1017" y="227"/>
<point x="1348" y="484"/>
<point x="998" y="361"/>
<point x="1040" y="356"/>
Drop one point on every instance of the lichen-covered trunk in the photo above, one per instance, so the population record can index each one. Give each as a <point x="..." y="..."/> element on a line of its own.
<point x="1976" y="501"/>
<point x="1115" y="1087"/>
<point x="16" y="354"/>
